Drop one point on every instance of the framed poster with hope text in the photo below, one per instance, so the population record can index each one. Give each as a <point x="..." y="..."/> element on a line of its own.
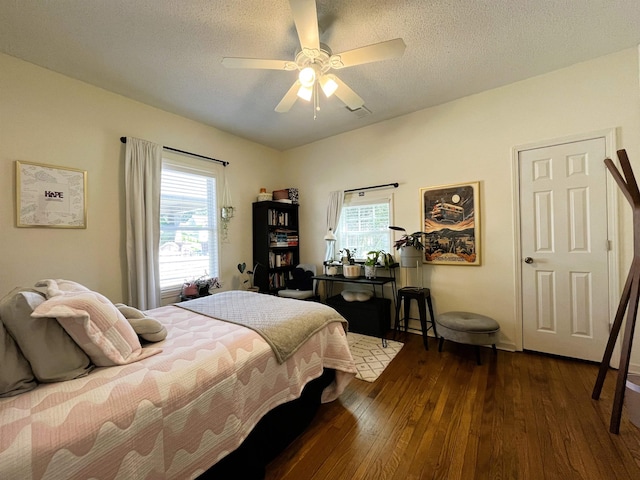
<point x="50" y="196"/>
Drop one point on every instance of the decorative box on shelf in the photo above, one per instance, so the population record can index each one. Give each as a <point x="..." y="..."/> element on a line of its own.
<point x="286" y="194"/>
<point x="263" y="196"/>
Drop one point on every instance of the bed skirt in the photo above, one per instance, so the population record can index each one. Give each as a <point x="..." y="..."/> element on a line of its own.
<point x="273" y="433"/>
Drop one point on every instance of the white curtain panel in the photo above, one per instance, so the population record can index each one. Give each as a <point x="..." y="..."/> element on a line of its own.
<point x="334" y="208"/>
<point x="143" y="168"/>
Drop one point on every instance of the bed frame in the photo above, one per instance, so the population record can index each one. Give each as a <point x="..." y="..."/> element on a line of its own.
<point x="272" y="435"/>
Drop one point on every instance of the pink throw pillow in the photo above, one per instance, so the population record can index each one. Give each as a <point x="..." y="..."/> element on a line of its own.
<point x="97" y="327"/>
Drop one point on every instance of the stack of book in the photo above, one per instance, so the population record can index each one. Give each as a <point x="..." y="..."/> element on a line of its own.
<point x="278" y="239"/>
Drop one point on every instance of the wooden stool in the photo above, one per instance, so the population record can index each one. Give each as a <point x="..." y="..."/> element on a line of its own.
<point x="421" y="295"/>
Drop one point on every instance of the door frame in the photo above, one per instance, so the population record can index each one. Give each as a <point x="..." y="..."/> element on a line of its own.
<point x="609" y="136"/>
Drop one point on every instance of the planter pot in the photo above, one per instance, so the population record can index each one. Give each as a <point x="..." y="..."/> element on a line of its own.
<point x="351" y="271"/>
<point x="410" y="257"/>
<point x="332" y="270"/>
<point x="370" y="271"/>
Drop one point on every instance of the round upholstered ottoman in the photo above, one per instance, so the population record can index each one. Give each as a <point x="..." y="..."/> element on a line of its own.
<point x="469" y="328"/>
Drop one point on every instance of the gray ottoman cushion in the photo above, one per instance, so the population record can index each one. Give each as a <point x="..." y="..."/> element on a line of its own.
<point x="467" y="327"/>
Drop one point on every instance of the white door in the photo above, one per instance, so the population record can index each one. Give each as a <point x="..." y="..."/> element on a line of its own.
<point x="563" y="223"/>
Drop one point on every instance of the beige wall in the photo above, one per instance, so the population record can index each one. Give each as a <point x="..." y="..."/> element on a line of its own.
<point x="52" y="119"/>
<point x="49" y="118"/>
<point x="472" y="140"/>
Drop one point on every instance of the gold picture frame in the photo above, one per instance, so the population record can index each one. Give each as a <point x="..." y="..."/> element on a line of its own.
<point x="50" y="196"/>
<point x="451" y="222"/>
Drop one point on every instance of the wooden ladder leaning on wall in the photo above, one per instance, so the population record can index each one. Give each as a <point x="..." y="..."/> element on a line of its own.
<point x="629" y="298"/>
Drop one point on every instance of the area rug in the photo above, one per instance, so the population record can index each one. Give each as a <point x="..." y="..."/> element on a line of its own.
<point x="370" y="356"/>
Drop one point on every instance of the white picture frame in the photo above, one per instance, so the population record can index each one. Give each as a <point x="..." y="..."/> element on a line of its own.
<point x="50" y="196"/>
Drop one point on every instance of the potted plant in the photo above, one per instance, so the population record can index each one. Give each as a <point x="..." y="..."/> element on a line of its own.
<point x="199" y="287"/>
<point x="410" y="246"/>
<point x="348" y="256"/>
<point x="206" y="283"/>
<point x="374" y="257"/>
<point x="248" y="281"/>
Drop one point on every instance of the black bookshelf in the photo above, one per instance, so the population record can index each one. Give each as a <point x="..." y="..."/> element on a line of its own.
<point x="276" y="243"/>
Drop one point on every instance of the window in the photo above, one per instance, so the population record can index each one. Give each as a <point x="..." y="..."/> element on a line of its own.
<point x="364" y="224"/>
<point x="188" y="225"/>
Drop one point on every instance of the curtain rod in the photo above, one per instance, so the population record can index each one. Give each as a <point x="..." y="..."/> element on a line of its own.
<point x="224" y="164"/>
<point x="394" y="185"/>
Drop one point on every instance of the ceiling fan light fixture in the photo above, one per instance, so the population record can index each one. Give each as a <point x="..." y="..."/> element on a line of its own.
<point x="328" y="84"/>
<point x="305" y="92"/>
<point x="307" y="76"/>
<point x="313" y="61"/>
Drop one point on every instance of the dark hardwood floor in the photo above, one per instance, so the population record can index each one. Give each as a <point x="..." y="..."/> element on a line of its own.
<point x="437" y="415"/>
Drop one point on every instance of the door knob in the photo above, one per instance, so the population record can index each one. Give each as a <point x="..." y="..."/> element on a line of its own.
<point x="528" y="260"/>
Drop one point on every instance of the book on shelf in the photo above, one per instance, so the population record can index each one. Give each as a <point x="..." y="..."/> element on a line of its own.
<point x="276" y="280"/>
<point x="283" y="259"/>
<point x="278" y="218"/>
<point x="278" y="239"/>
<point x="286" y="259"/>
<point x="283" y="238"/>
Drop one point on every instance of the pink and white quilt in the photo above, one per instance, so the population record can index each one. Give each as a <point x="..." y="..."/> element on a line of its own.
<point x="171" y="415"/>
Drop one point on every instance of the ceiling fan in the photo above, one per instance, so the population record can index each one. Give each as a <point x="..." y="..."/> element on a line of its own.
<point x="315" y="61"/>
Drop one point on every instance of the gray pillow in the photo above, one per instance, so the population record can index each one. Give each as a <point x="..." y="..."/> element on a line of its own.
<point x="15" y="375"/>
<point x="52" y="353"/>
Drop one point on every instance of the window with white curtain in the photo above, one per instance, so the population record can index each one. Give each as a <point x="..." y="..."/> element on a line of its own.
<point x="364" y="223"/>
<point x="188" y="224"/>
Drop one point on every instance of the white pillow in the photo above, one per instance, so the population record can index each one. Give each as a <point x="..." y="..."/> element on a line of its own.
<point x="356" y="296"/>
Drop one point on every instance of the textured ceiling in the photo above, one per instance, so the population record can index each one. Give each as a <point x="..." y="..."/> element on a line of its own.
<point x="167" y="53"/>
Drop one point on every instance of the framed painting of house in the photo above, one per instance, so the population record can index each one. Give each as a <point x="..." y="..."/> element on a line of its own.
<point x="50" y="196"/>
<point x="451" y="222"/>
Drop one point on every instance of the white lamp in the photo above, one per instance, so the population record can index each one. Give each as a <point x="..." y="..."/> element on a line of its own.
<point x="330" y="238"/>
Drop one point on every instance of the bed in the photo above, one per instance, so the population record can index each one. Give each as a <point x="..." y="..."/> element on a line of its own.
<point x="205" y="405"/>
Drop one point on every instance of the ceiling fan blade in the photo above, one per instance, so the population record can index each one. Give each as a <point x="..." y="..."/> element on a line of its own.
<point x="305" y="16"/>
<point x="371" y="53"/>
<point x="350" y="98"/>
<point x="289" y="98"/>
<point x="236" y="62"/>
